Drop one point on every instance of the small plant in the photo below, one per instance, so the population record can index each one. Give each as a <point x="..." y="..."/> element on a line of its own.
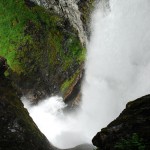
<point x="133" y="143"/>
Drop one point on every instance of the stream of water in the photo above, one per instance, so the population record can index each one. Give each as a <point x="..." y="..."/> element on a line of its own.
<point x="117" y="71"/>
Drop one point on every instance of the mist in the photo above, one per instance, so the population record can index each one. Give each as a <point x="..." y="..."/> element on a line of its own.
<point x="63" y="131"/>
<point x="117" y="71"/>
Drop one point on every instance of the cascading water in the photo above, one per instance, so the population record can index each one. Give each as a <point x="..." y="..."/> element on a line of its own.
<point x="118" y="64"/>
<point x="117" y="70"/>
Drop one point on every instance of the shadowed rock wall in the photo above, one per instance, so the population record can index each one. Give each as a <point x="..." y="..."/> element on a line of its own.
<point x="134" y="120"/>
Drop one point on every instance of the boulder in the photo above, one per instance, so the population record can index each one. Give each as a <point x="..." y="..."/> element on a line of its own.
<point x="132" y="126"/>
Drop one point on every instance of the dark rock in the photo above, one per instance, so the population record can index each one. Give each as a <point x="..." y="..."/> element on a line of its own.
<point x="3" y="65"/>
<point x="17" y="129"/>
<point x="29" y="3"/>
<point x="135" y="119"/>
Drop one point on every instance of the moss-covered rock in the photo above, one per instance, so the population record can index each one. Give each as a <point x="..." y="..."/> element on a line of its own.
<point x="132" y="127"/>
<point x="17" y="129"/>
<point x="42" y="48"/>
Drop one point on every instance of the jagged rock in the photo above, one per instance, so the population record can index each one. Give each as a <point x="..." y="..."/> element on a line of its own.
<point x="44" y="51"/>
<point x="135" y="119"/>
<point x="17" y="129"/>
<point x="77" y="15"/>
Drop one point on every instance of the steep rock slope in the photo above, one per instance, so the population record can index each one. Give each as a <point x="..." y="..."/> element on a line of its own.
<point x="42" y="48"/>
<point x="17" y="129"/>
<point x="76" y="11"/>
<point x="86" y="7"/>
<point x="131" y="130"/>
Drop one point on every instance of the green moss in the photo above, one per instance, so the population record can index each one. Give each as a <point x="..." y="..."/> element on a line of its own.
<point x="69" y="82"/>
<point x="15" y="117"/>
<point x="36" y="42"/>
<point x="11" y="32"/>
<point x="14" y="16"/>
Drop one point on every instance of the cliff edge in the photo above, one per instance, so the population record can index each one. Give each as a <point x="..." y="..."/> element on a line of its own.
<point x="17" y="129"/>
<point x="130" y="131"/>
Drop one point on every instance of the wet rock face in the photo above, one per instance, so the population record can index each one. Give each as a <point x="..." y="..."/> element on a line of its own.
<point x="86" y="7"/>
<point x="17" y="129"/>
<point x="135" y="119"/>
<point x="48" y="54"/>
<point x="54" y="78"/>
<point x="68" y="9"/>
<point x="47" y="57"/>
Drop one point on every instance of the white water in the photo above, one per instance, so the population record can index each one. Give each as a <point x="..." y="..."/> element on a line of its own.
<point x="117" y="70"/>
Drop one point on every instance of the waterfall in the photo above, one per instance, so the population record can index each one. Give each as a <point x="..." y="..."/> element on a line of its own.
<point x="117" y="71"/>
<point x="118" y="60"/>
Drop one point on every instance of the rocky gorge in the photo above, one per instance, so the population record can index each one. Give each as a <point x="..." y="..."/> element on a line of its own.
<point x="18" y="131"/>
<point x="42" y="53"/>
<point x="45" y="52"/>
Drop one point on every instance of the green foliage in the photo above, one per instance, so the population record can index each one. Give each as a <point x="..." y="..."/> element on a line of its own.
<point x="133" y="143"/>
<point x="14" y="18"/>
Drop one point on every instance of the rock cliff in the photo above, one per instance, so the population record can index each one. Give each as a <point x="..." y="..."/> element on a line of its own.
<point x="77" y="13"/>
<point x="131" y="130"/>
<point x="45" y="48"/>
<point x="17" y="129"/>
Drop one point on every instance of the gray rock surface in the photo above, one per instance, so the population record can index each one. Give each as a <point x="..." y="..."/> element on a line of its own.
<point x="69" y="10"/>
